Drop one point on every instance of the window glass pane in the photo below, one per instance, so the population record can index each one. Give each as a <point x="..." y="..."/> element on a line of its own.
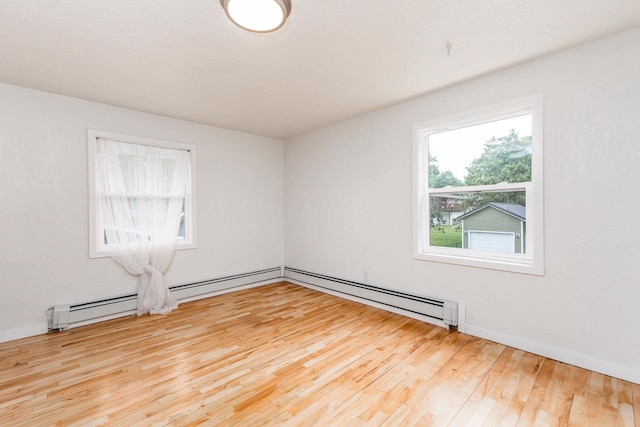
<point x="139" y="219"/>
<point x="484" y="154"/>
<point x="135" y="217"/>
<point x="181" y="229"/>
<point x="485" y="221"/>
<point x="168" y="174"/>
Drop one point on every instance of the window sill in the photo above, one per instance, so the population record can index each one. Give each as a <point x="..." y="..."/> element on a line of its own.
<point x="497" y="262"/>
<point x="106" y="254"/>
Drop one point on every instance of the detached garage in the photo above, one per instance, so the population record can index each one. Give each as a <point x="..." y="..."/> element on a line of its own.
<point x="496" y="227"/>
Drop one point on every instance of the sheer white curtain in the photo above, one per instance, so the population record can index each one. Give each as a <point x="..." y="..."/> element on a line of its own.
<point x="142" y="191"/>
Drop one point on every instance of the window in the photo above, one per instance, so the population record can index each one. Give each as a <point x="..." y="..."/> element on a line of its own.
<point x="139" y="160"/>
<point x="477" y="196"/>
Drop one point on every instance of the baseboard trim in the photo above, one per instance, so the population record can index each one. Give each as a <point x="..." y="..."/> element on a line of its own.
<point x="67" y="316"/>
<point x="580" y="360"/>
<point x="226" y="285"/>
<point x="17" y="334"/>
<point x="234" y="289"/>
<point x="370" y="303"/>
<point x="183" y="300"/>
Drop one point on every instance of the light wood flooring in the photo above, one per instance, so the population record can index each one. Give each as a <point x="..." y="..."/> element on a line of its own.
<point x="287" y="355"/>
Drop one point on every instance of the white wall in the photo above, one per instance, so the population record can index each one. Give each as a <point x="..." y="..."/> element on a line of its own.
<point x="44" y="211"/>
<point x="348" y="207"/>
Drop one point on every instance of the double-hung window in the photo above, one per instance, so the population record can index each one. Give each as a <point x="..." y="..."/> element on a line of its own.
<point x="147" y="177"/>
<point x="477" y="196"/>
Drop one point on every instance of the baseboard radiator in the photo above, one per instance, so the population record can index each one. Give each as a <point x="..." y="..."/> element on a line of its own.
<point x="63" y="317"/>
<point x="438" y="309"/>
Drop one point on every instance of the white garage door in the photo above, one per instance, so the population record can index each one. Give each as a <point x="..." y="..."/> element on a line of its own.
<point x="491" y="241"/>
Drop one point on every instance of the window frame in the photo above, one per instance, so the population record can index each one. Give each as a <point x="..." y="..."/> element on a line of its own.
<point x="532" y="262"/>
<point x="98" y="249"/>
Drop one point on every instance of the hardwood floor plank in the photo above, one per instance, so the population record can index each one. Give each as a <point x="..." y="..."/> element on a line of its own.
<point x="286" y="355"/>
<point x="625" y="404"/>
<point x="636" y="403"/>
<point x="508" y="386"/>
<point x="578" y="413"/>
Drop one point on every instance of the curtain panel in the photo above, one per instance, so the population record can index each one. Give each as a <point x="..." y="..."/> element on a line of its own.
<point x="142" y="191"/>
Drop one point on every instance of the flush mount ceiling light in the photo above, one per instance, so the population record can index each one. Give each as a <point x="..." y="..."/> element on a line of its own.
<point x="259" y="16"/>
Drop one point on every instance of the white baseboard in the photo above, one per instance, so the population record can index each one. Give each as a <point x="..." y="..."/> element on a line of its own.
<point x="462" y="317"/>
<point x="234" y="289"/>
<point x="43" y="329"/>
<point x="385" y="307"/>
<point x="183" y="300"/>
<point x="17" y="334"/>
<point x="587" y="362"/>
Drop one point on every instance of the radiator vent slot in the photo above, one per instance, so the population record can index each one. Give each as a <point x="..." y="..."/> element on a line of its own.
<point x="443" y="310"/>
<point x="67" y="316"/>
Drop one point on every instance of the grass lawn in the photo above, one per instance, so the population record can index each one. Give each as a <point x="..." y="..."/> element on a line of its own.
<point x="446" y="235"/>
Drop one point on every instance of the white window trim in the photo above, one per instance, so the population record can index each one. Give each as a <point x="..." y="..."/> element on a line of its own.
<point x="532" y="262"/>
<point x="97" y="250"/>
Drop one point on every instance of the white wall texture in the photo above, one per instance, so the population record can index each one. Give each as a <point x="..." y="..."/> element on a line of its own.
<point x="348" y="207"/>
<point x="44" y="212"/>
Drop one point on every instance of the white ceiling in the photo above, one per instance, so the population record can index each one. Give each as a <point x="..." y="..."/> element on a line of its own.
<point x="333" y="59"/>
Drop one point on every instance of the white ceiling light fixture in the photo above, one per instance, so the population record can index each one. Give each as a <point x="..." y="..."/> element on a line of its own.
<point x="258" y="16"/>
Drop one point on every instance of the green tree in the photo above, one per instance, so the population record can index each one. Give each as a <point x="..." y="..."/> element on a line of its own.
<point x="446" y="178"/>
<point x="435" y="215"/>
<point x="439" y="179"/>
<point x="434" y="170"/>
<point x="505" y="159"/>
